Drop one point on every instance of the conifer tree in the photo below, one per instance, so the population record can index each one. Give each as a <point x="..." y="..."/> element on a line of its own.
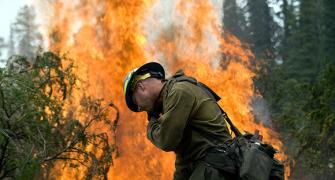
<point x="233" y="20"/>
<point x="25" y="34"/>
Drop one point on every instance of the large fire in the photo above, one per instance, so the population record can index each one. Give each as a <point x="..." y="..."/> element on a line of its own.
<point x="107" y="39"/>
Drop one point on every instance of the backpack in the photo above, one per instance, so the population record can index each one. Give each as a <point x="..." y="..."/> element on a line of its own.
<point x="252" y="159"/>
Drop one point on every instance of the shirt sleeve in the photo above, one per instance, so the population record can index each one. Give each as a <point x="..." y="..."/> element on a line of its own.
<point x="167" y="131"/>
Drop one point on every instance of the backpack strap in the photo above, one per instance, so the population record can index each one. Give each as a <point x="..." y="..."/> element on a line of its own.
<point x="180" y="76"/>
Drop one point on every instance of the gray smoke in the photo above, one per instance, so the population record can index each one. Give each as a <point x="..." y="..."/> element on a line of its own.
<point x="261" y="111"/>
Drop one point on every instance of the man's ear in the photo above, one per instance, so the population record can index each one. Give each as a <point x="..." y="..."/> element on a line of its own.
<point x="141" y="85"/>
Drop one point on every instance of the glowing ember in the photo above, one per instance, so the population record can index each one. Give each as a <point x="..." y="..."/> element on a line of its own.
<point x="107" y="39"/>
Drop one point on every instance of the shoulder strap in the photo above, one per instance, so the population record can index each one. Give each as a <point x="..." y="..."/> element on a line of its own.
<point x="180" y="76"/>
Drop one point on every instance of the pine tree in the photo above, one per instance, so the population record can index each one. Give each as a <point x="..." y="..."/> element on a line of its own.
<point x="261" y="29"/>
<point x="2" y="46"/>
<point x="25" y="32"/>
<point x="290" y="25"/>
<point x="233" y="20"/>
<point x="303" y="59"/>
<point x="329" y="30"/>
<point x="11" y="42"/>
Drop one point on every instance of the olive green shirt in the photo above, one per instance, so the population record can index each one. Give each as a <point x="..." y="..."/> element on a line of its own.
<point x="188" y="114"/>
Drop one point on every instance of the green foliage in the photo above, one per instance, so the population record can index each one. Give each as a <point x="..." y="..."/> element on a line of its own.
<point x="303" y="56"/>
<point x="320" y="112"/>
<point x="328" y="30"/>
<point x="298" y="81"/>
<point x="261" y="29"/>
<point x="304" y="112"/>
<point x="251" y="21"/>
<point x="36" y="129"/>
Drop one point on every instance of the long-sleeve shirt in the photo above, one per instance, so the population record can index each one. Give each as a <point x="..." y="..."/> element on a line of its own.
<point x="188" y="115"/>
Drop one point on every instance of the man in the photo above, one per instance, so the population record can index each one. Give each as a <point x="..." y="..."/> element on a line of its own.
<point x="184" y="118"/>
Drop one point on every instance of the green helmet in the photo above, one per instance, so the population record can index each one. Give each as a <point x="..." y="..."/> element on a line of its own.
<point x="151" y="69"/>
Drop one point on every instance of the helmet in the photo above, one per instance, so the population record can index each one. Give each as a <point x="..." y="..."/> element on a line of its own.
<point x="151" y="69"/>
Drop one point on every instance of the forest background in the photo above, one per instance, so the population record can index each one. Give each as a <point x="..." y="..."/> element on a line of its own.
<point x="294" y="46"/>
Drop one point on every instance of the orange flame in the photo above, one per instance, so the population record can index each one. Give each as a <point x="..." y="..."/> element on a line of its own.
<point x="107" y="39"/>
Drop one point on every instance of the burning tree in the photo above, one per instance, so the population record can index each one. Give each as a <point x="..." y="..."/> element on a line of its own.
<point x="40" y="125"/>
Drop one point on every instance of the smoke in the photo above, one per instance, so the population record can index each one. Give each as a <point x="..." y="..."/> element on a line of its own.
<point x="172" y="22"/>
<point x="261" y="111"/>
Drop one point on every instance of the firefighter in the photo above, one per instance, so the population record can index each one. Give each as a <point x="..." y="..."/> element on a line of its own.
<point x="183" y="118"/>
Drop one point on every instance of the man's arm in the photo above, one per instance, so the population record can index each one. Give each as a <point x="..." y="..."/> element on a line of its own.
<point x="167" y="131"/>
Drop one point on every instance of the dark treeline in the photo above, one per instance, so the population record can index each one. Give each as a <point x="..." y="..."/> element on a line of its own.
<point x="294" y="45"/>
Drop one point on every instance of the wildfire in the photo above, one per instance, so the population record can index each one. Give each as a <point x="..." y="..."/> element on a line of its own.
<point x="107" y="39"/>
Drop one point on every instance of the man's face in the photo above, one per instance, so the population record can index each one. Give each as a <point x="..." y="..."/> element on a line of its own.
<point x="143" y="97"/>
